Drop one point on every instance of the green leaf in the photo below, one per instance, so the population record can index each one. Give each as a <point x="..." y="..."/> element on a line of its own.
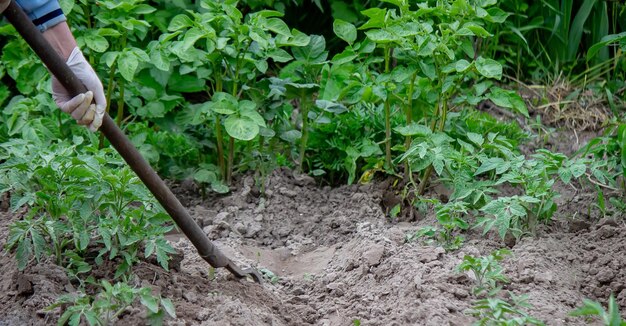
<point x="23" y="253"/>
<point x="476" y="138"/>
<point x="169" y="307"/>
<point x="606" y="40"/>
<point x="191" y="36"/>
<point x="179" y="22"/>
<point x="414" y="129"/>
<point x="477" y="30"/>
<point x="376" y="18"/>
<point x="489" y="68"/>
<point x="84" y="239"/>
<point x="280" y="55"/>
<point x="298" y="39"/>
<point x="291" y="136"/>
<point x="97" y="43"/>
<point x="127" y="66"/>
<point x="489" y="164"/>
<point x="150" y="302"/>
<point x="205" y="176"/>
<point x="461" y="65"/>
<point x="149" y="249"/>
<point x="278" y="26"/>
<point x="509" y="100"/>
<point x="314" y="52"/>
<point x="159" y="60"/>
<point x="345" y="31"/>
<point x="241" y="127"/>
<point x="382" y="36"/>
<point x="577" y="28"/>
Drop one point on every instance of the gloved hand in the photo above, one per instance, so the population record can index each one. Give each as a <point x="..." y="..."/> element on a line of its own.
<point x="80" y="106"/>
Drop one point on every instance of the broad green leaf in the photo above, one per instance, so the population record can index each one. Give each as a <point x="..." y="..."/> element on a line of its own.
<point x="291" y="136"/>
<point x="489" y="68"/>
<point x="179" y="22"/>
<point x="149" y="249"/>
<point x="127" y="66"/>
<point x="254" y="116"/>
<point x="346" y="56"/>
<point x="297" y="39"/>
<point x="185" y="83"/>
<point x="241" y="127"/>
<point x="477" y="30"/>
<point x="414" y="129"/>
<point x="97" y="43"/>
<point x="150" y="302"/>
<point x="169" y="307"/>
<point x="23" y="253"/>
<point x="143" y="9"/>
<point x="508" y="99"/>
<point x="496" y="15"/>
<point x="268" y="13"/>
<point x="191" y="36"/>
<point x="159" y="60"/>
<point x="489" y="164"/>
<point x="462" y="65"/>
<point x="382" y="36"/>
<point x="109" y="58"/>
<point x="278" y="26"/>
<point x="280" y="55"/>
<point x="476" y="138"/>
<point x="314" y="52"/>
<point x="345" y="31"/>
<point x="376" y="18"/>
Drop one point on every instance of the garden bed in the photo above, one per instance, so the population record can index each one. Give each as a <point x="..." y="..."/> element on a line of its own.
<point x="337" y="258"/>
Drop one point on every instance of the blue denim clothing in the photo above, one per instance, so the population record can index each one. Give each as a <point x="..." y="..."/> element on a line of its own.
<point x="43" y="13"/>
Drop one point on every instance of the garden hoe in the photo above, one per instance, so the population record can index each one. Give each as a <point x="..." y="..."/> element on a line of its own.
<point x="207" y="250"/>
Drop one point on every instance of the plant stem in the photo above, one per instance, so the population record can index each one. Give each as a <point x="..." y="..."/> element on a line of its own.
<point x="409" y="117"/>
<point x="108" y="97"/>
<point x="120" y="100"/>
<point x="387" y="115"/>
<point x="218" y="133"/>
<point x="304" y="103"/>
<point x="231" y="150"/>
<point x="120" y="104"/>
<point x="442" y="123"/>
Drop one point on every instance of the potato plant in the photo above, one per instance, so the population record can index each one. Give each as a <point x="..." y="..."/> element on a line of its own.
<point x="211" y="90"/>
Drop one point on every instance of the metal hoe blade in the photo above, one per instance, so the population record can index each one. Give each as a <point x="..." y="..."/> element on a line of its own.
<point x="207" y="250"/>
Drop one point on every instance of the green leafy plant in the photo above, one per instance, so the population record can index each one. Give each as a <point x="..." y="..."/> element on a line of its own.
<point x="486" y="270"/>
<point x="234" y="53"/>
<point x="496" y="311"/>
<point x="611" y="317"/>
<point x="109" y="302"/>
<point x="451" y="219"/>
<point x="80" y="200"/>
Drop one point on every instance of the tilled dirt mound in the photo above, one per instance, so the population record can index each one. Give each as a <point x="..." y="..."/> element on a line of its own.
<point x="337" y="259"/>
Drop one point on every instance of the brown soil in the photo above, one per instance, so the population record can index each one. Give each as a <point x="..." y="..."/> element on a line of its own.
<point x="338" y="259"/>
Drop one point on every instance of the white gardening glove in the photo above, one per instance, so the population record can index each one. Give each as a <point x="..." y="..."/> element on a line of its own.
<point x="80" y="106"/>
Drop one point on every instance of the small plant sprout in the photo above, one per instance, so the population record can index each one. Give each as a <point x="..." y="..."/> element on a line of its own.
<point x="499" y="312"/>
<point x="486" y="270"/>
<point x="611" y="317"/>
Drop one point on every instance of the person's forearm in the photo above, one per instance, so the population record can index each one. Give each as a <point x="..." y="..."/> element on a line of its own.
<point x="61" y="39"/>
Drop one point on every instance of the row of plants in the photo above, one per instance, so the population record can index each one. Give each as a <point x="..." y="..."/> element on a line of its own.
<point x="209" y="90"/>
<point x="492" y="307"/>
